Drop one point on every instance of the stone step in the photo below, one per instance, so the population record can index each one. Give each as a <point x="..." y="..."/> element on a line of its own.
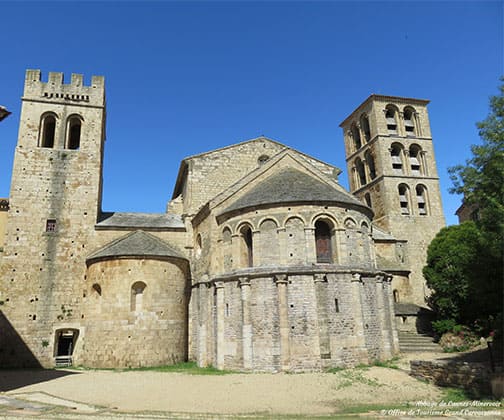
<point x="410" y="342"/>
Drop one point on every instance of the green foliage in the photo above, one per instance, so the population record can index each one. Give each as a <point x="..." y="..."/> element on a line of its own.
<point x="452" y="260"/>
<point x="443" y="325"/>
<point x="390" y="364"/>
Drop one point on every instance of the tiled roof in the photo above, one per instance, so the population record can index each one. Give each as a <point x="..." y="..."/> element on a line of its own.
<point x="289" y="186"/>
<point x="154" y="221"/>
<point x="136" y="244"/>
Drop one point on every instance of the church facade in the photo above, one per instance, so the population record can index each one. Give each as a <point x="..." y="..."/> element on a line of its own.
<point x="262" y="262"/>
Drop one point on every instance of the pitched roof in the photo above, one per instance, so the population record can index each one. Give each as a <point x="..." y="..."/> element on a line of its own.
<point x="151" y="221"/>
<point x="288" y="186"/>
<point x="136" y="244"/>
<point x="386" y="265"/>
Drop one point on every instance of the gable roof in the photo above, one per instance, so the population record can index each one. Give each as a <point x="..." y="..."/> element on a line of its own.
<point x="291" y="185"/>
<point x="136" y="244"/>
<point x="182" y="173"/>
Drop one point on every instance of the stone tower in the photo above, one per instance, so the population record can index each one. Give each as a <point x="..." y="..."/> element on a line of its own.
<point x="55" y="201"/>
<point x="392" y="168"/>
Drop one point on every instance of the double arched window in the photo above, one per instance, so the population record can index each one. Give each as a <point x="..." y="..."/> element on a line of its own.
<point x="48" y="131"/>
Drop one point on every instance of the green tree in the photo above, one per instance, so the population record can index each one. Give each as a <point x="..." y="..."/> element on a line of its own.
<point x="451" y="268"/>
<point x="465" y="263"/>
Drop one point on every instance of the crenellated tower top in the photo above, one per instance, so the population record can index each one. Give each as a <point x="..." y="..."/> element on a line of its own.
<point x="55" y="90"/>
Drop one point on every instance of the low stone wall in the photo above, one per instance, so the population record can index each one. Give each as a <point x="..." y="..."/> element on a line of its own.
<point x="472" y="377"/>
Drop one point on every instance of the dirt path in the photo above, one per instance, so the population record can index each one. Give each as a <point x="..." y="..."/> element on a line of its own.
<point x="308" y="394"/>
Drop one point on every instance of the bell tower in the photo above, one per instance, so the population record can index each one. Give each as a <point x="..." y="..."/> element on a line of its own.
<point x="392" y="168"/>
<point x="54" y="203"/>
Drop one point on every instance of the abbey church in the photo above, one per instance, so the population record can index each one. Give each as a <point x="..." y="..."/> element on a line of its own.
<point x="262" y="261"/>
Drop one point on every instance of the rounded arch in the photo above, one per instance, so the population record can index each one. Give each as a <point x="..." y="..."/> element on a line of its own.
<point x="137" y="291"/>
<point x="243" y="224"/>
<point x="422" y="198"/>
<point x="73" y="131"/>
<point x="324" y="217"/>
<point x="368" y="157"/>
<point x="364" y="123"/>
<point x="415" y="159"/>
<point x="226" y="234"/>
<point x="246" y="245"/>
<point x="350" y="223"/>
<point x="324" y="240"/>
<point x="361" y="172"/>
<point x="199" y="245"/>
<point x="292" y="218"/>
<point x="409" y="120"/>
<point x="47" y="129"/>
<point x="404" y="198"/>
<point x="397" y="157"/>
<point x="391" y="112"/>
<point x="266" y="219"/>
<point x="357" y="142"/>
<point x="364" y="226"/>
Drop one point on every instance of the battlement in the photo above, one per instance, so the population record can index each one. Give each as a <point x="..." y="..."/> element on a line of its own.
<point x="55" y="90"/>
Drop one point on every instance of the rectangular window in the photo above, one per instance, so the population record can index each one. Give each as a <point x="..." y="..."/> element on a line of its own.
<point x="50" y="225"/>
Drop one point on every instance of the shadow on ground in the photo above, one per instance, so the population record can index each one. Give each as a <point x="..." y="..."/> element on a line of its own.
<point x="18" y="378"/>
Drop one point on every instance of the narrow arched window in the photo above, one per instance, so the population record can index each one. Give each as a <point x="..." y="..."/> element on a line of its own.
<point x="409" y="121"/>
<point x="364" y="122"/>
<point x="404" y="199"/>
<point x="248" y="251"/>
<point x="74" y="125"/>
<point x="390" y="116"/>
<point x="371" y="165"/>
<point x="396" y="295"/>
<point x="323" y="242"/>
<point x="356" y="137"/>
<point x="421" y="196"/>
<point x="415" y="157"/>
<point x="137" y="292"/>
<point x="396" y="157"/>
<point x="359" y="166"/>
<point x="48" y="131"/>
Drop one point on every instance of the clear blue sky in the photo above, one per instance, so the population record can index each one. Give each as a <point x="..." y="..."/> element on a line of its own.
<point x="187" y="77"/>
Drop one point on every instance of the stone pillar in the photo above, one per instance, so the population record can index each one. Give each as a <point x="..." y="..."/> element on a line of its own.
<point x="282" y="245"/>
<point x="201" y="325"/>
<point x="283" y="315"/>
<point x="341" y="249"/>
<point x="236" y="250"/>
<point x="360" y="341"/>
<point x="219" y="317"/>
<point x="246" y="323"/>
<point x="383" y="318"/>
<point x="320" y="281"/>
<point x="388" y="297"/>
<point x="311" y="252"/>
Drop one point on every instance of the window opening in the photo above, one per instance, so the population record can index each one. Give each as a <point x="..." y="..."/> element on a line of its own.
<point x="97" y="288"/>
<point x="356" y="137"/>
<point x="391" y="120"/>
<point x="247" y="239"/>
<point x="48" y="131"/>
<point x="262" y="159"/>
<point x="396" y="295"/>
<point x="336" y="305"/>
<point x="137" y="291"/>
<point x="403" y="199"/>
<point x="409" y="124"/>
<point x="74" y="133"/>
<point x="361" y="172"/>
<point x="395" y="154"/>
<point x="414" y="157"/>
<point x="50" y="225"/>
<point x="365" y="127"/>
<point x="371" y="165"/>
<point x="323" y="242"/>
<point x="421" y="200"/>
